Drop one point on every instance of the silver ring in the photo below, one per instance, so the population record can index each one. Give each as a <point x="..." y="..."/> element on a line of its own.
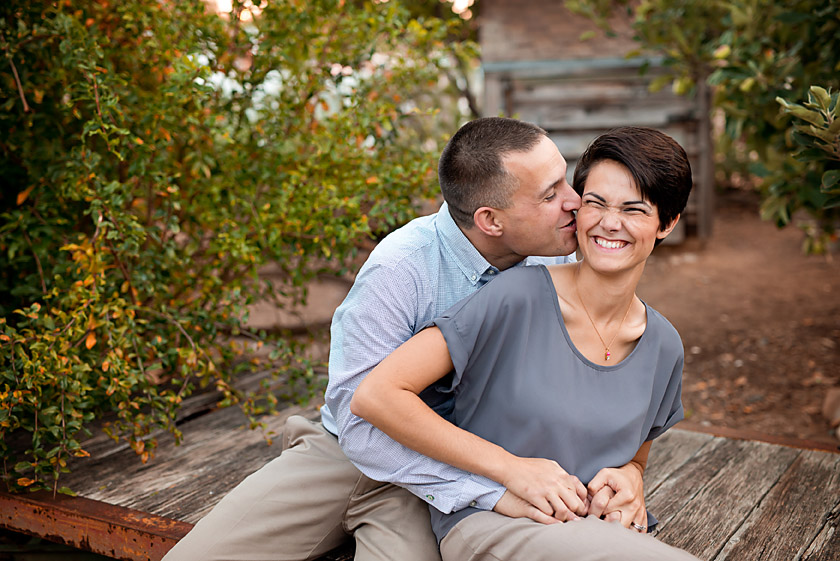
<point x="639" y="527"/>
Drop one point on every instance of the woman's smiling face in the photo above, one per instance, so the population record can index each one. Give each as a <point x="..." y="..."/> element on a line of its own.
<point x="617" y="228"/>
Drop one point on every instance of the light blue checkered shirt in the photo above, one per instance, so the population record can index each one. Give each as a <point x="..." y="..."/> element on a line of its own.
<point x="411" y="277"/>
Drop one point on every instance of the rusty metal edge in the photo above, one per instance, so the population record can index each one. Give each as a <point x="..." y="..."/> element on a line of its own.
<point x="113" y="531"/>
<point x="746" y="434"/>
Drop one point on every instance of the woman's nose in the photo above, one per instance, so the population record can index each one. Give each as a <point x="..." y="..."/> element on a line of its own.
<point x="610" y="220"/>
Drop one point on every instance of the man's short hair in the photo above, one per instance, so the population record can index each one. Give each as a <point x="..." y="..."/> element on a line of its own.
<point x="658" y="164"/>
<point x="471" y="168"/>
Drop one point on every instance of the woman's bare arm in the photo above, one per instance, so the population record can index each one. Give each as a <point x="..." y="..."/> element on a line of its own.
<point x="388" y="399"/>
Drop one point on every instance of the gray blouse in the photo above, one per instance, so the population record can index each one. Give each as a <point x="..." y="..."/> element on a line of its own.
<point x="519" y="381"/>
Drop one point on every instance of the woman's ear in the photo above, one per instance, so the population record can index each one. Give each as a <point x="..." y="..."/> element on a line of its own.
<point x="487" y="220"/>
<point x="662" y="234"/>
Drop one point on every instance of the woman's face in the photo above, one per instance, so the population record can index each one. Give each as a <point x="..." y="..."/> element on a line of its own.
<point x="617" y="228"/>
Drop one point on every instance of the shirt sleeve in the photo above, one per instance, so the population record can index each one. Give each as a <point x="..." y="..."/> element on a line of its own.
<point x="670" y="409"/>
<point x="378" y="315"/>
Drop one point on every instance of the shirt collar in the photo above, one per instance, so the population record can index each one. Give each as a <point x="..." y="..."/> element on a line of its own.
<point x="463" y="253"/>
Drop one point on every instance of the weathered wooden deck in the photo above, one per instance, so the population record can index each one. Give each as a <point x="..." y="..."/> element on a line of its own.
<point x="717" y="497"/>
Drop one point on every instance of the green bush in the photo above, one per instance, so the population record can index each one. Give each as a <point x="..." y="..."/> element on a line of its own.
<point x="154" y="157"/>
<point x="816" y="131"/>
<point x="751" y="52"/>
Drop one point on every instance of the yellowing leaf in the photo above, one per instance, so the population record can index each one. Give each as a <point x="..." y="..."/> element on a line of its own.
<point x="24" y="194"/>
<point x="90" y="340"/>
<point x="25" y="481"/>
<point x="372" y="179"/>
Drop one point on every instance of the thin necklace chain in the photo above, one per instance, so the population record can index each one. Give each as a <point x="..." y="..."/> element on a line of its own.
<point x="598" y="333"/>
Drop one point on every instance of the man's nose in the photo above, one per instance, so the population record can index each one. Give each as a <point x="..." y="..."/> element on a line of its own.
<point x="571" y="200"/>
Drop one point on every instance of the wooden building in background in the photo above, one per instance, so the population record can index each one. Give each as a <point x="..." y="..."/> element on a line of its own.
<point x="537" y="68"/>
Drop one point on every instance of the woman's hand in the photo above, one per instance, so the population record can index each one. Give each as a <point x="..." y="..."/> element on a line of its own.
<point x="548" y="487"/>
<point x="618" y="495"/>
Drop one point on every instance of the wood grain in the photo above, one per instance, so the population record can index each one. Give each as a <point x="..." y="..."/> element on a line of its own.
<point x="669" y="452"/>
<point x="708" y="519"/>
<point x="184" y="482"/>
<point x="793" y="513"/>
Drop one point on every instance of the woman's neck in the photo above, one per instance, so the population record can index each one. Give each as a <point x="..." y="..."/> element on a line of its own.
<point x="606" y="295"/>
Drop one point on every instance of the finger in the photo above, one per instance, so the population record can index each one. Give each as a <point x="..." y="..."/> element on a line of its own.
<point x="562" y="510"/>
<point x="580" y="489"/>
<point x="599" y="501"/>
<point x="598" y="482"/>
<point x="614" y="516"/>
<point x="543" y="505"/>
<point x="573" y="500"/>
<point x="538" y="516"/>
<point x="563" y="514"/>
<point x="640" y="524"/>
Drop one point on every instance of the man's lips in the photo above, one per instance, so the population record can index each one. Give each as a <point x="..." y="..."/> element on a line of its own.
<point x="572" y="224"/>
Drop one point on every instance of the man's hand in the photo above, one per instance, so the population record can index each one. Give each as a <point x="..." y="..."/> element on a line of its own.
<point x="548" y="487"/>
<point x="618" y="495"/>
<point x="517" y="507"/>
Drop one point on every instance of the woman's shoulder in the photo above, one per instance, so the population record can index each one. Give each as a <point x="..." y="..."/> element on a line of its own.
<point x="665" y="331"/>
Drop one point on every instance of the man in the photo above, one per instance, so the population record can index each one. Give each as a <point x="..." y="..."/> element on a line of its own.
<point x="506" y="199"/>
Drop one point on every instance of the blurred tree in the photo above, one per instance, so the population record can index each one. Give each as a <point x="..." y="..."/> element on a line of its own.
<point x="155" y="155"/>
<point x="752" y="52"/>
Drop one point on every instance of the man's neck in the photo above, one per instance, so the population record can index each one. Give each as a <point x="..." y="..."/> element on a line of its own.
<point x="487" y="246"/>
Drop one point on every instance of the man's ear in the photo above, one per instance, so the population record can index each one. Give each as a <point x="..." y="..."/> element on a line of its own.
<point x="662" y="234"/>
<point x="486" y="219"/>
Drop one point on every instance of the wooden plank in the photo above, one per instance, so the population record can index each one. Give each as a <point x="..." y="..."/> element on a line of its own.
<point x="672" y="494"/>
<point x="792" y="514"/>
<point x="183" y="482"/>
<point x="826" y="546"/>
<point x="669" y="452"/>
<point x="746" y="472"/>
<point x="109" y="530"/>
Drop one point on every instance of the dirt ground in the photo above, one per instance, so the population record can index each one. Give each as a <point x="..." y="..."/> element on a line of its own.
<point x="760" y="323"/>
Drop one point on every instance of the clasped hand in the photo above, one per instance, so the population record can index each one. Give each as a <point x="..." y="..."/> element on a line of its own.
<point x="543" y="491"/>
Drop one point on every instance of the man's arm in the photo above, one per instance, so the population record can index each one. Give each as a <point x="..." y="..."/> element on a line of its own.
<point x="378" y="315"/>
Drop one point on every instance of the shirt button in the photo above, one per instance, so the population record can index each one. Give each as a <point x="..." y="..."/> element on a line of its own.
<point x="430" y="497"/>
<point x="473" y="277"/>
<point x="491" y="272"/>
<point x="473" y="503"/>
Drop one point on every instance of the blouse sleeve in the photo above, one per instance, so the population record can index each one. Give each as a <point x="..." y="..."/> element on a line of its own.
<point x="670" y="409"/>
<point x="474" y="327"/>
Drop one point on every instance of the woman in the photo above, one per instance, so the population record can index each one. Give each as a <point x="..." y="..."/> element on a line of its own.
<point x="561" y="375"/>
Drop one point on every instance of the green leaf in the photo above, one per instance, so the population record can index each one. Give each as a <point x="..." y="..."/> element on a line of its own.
<point x="822" y="97"/>
<point x="830" y="179"/>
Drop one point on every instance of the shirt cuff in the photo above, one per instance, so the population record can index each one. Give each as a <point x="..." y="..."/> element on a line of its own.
<point x="479" y="492"/>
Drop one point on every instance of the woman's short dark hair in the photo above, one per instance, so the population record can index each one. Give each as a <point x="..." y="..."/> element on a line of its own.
<point x="658" y="164"/>
<point x="471" y="170"/>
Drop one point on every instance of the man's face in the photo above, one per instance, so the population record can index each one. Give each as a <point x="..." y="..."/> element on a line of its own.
<point x="540" y="219"/>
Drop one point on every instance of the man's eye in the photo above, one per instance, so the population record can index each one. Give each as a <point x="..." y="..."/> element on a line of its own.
<point x="551" y="197"/>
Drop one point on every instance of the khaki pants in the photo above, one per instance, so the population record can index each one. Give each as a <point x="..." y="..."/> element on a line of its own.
<point x="306" y="502"/>
<point x="493" y="537"/>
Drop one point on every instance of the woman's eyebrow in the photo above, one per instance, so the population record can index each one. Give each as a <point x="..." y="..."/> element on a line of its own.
<point x="628" y="203"/>
<point x="599" y="197"/>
